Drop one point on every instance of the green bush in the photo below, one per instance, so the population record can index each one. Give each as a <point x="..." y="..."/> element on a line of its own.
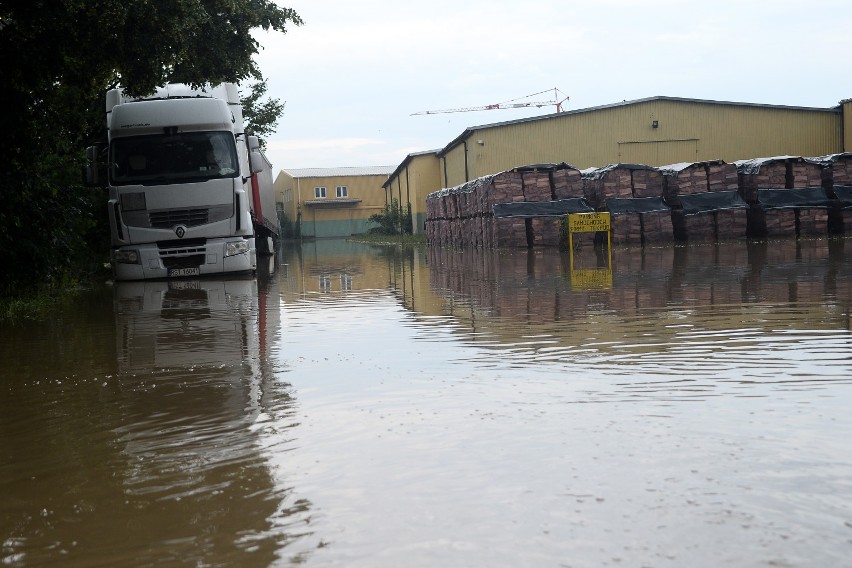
<point x="393" y="220"/>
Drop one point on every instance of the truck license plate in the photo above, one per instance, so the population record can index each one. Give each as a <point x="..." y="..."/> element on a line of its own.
<point x="176" y="272"/>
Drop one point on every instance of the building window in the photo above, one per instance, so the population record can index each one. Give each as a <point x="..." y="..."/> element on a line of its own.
<point x="342" y="191"/>
<point x="346" y="282"/>
<point x="319" y="192"/>
<point x="325" y="283"/>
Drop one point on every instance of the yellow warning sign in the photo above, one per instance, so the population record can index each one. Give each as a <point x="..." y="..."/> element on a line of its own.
<point x="588" y="222"/>
<point x="601" y="278"/>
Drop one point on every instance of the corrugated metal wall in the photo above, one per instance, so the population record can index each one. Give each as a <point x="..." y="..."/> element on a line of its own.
<point x="685" y="131"/>
<point x="422" y="176"/>
<point x="454" y="167"/>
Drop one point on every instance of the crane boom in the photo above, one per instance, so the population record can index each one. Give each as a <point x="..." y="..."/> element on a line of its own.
<point x="556" y="101"/>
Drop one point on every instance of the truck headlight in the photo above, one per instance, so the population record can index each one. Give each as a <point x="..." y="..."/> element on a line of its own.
<point x="236" y="247"/>
<point x="126" y="256"/>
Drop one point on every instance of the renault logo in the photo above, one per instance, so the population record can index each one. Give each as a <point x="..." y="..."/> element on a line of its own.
<point x="180" y="231"/>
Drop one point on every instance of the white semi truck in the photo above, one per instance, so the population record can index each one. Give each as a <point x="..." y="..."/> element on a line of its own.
<point x="190" y="193"/>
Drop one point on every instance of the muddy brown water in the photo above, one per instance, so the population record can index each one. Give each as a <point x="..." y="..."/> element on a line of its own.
<point x="357" y="405"/>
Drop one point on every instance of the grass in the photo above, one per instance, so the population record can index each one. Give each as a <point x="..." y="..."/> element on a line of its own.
<point x="38" y="301"/>
<point x="32" y="305"/>
<point x="375" y="239"/>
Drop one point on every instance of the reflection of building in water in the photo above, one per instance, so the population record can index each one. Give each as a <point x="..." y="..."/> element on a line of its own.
<point x="333" y="267"/>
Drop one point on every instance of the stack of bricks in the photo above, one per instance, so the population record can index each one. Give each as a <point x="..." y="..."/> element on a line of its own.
<point x="543" y="231"/>
<point x="657" y="226"/>
<point x="841" y="169"/>
<point x="626" y="229"/>
<point x="770" y="173"/>
<point x="462" y="216"/>
<point x="567" y="183"/>
<point x="804" y="173"/>
<point x="722" y="176"/>
<point x="730" y="223"/>
<point x="612" y="181"/>
<point x="508" y="187"/>
<point x="785" y="172"/>
<point x="704" y="177"/>
<point x="624" y="181"/>
<point x="812" y="221"/>
<point x="839" y="172"/>
<point x="767" y="174"/>
<point x="646" y="183"/>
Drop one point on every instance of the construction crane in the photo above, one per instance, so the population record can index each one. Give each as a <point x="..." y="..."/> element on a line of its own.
<point x="556" y="101"/>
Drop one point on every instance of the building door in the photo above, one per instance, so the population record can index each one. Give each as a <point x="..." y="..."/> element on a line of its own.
<point x="658" y="152"/>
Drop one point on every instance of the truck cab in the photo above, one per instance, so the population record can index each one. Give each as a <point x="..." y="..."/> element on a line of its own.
<point x="184" y="189"/>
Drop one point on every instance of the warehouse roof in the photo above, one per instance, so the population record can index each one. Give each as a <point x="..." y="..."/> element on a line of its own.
<point x="407" y="161"/>
<point x="340" y="172"/>
<point x="471" y="129"/>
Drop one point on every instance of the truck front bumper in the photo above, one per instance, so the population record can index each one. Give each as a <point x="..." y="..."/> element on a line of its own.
<point x="212" y="257"/>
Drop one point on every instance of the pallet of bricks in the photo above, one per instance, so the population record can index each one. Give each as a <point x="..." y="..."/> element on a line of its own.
<point x="505" y="187"/>
<point x="839" y="178"/>
<point x="528" y="184"/>
<point x="547" y="183"/>
<point x="462" y="216"/>
<point x="431" y="219"/>
<point x="459" y="215"/>
<point x="537" y="186"/>
<point x="616" y="183"/>
<point x="705" y="201"/>
<point x="438" y="222"/>
<point x="763" y="177"/>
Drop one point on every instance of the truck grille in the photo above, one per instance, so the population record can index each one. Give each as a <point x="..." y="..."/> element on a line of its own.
<point x="172" y="217"/>
<point x="183" y="254"/>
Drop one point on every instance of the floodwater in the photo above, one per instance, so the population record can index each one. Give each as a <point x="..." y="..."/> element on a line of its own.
<point x="368" y="406"/>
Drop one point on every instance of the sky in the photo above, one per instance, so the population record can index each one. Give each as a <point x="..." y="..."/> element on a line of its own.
<point x="355" y="72"/>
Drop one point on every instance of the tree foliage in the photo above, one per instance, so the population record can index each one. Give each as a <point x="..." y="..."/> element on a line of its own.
<point x="393" y="220"/>
<point x="260" y="116"/>
<point x="58" y="58"/>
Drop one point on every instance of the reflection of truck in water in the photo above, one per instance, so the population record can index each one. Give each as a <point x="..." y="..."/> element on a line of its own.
<point x="189" y="192"/>
<point x="202" y="324"/>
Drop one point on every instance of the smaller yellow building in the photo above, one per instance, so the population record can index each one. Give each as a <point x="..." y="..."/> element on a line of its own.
<point x="330" y="202"/>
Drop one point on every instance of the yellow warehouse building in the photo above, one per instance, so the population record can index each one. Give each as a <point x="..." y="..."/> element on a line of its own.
<point x="654" y="131"/>
<point x="330" y="202"/>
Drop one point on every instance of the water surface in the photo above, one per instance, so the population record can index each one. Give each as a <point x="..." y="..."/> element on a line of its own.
<point x="369" y="406"/>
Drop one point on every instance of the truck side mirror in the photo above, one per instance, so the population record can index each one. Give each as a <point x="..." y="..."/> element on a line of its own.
<point x="256" y="162"/>
<point x="253" y="143"/>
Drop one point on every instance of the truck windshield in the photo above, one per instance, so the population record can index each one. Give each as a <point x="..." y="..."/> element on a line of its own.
<point x="173" y="158"/>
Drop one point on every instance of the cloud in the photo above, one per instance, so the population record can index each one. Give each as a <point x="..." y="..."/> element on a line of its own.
<point x="355" y="72"/>
<point x="345" y="144"/>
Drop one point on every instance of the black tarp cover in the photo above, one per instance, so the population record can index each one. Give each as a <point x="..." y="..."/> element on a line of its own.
<point x="466" y="187"/>
<point x="627" y="205"/>
<point x="544" y="167"/>
<point x="712" y="201"/>
<point x="750" y="167"/>
<point x="555" y="208"/>
<point x="793" y="198"/>
<point x="831" y="158"/>
<point x="672" y="170"/>
<point x="598" y="173"/>
<point x="844" y="194"/>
